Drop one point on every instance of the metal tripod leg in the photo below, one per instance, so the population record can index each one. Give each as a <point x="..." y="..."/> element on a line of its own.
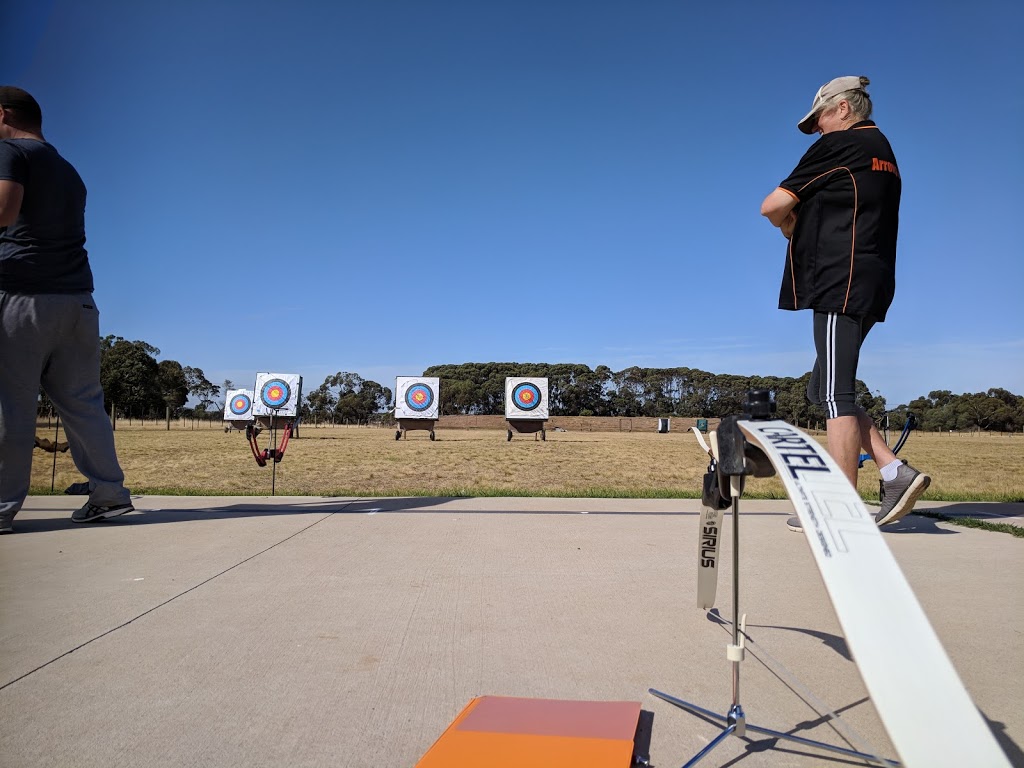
<point x="735" y="721"/>
<point x="731" y="721"/>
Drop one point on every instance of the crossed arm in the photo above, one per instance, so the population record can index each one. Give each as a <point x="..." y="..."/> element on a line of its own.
<point x="778" y="209"/>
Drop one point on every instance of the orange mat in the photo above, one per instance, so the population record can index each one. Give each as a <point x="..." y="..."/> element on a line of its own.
<point x="507" y="732"/>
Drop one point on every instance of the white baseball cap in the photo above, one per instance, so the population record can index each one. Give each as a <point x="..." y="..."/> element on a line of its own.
<point x="826" y="92"/>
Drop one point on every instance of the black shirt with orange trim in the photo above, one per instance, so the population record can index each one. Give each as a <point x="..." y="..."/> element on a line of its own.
<point x="842" y="255"/>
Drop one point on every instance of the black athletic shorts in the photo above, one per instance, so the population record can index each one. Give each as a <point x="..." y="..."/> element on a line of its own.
<point x="837" y="340"/>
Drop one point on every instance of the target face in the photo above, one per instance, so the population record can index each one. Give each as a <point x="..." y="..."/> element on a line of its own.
<point x="526" y="396"/>
<point x="419" y="397"/>
<point x="275" y="393"/>
<point x="240" y="404"/>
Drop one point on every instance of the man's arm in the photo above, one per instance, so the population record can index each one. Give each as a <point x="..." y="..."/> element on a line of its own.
<point x="11" y="194"/>
<point x="778" y="206"/>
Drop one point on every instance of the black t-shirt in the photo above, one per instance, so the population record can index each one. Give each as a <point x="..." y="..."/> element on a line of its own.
<point x="842" y="255"/>
<point x="43" y="251"/>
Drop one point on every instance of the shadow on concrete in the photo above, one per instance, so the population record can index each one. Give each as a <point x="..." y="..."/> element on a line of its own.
<point x="838" y="644"/>
<point x="916" y="524"/>
<point x="788" y="747"/>
<point x="326" y="505"/>
<point x="756" y="744"/>
<point x="834" y="642"/>
<point x="1008" y="745"/>
<point x="642" y="737"/>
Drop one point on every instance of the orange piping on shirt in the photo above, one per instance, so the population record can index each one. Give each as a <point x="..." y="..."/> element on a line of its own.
<point x="789" y="193"/>
<point x="853" y="230"/>
<point x="853" y="240"/>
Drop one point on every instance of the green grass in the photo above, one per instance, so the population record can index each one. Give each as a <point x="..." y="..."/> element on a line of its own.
<point x="1002" y="498"/>
<point x="499" y="492"/>
<point x="972" y="522"/>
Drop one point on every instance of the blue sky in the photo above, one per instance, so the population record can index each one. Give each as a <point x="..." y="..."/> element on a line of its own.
<point x="381" y="186"/>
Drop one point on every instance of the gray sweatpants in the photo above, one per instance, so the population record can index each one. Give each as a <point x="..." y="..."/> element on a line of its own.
<point x="54" y="340"/>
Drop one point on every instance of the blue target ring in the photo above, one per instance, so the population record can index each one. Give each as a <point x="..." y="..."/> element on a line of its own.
<point x="419" y="397"/>
<point x="240" y="404"/>
<point x="526" y="396"/>
<point x="275" y="393"/>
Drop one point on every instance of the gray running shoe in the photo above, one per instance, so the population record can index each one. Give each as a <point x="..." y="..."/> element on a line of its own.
<point x="90" y="512"/>
<point x="898" y="495"/>
<point x="794" y="524"/>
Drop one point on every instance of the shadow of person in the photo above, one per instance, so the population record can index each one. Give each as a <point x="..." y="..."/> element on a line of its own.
<point x="916" y="524"/>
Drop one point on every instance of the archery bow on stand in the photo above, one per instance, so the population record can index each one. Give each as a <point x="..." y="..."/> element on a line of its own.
<point x="272" y="403"/>
<point x="261" y="456"/>
<point x="274" y="454"/>
<point x="908" y="425"/>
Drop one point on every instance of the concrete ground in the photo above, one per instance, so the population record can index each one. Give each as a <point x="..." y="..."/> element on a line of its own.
<point x="349" y="632"/>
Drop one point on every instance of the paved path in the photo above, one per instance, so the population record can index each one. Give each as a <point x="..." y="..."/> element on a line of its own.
<point x="343" y="632"/>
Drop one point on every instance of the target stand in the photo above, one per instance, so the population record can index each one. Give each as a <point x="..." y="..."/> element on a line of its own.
<point x="526" y="406"/>
<point x="417" y="404"/>
<point x="275" y="406"/>
<point x="408" y="425"/>
<point x="526" y="427"/>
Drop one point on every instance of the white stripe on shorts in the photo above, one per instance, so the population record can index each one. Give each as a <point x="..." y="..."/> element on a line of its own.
<point x="830" y="366"/>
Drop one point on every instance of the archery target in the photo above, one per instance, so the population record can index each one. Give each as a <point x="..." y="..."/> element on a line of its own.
<point x="238" y="405"/>
<point x="416" y="397"/>
<point x="276" y="394"/>
<point x="526" y="398"/>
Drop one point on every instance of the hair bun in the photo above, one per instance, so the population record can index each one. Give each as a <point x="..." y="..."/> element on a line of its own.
<point x="864" y="81"/>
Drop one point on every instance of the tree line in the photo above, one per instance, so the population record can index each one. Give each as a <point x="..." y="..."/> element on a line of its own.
<point x="575" y="389"/>
<point x="135" y="383"/>
<point x="997" y="410"/>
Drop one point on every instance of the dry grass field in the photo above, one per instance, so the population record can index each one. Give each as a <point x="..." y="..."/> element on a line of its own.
<point x="360" y="461"/>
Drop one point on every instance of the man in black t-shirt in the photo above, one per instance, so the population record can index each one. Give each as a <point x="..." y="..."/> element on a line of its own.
<point x="839" y="209"/>
<point x="49" y="324"/>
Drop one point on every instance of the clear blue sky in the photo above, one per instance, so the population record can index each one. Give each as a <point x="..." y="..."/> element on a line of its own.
<point x="381" y="186"/>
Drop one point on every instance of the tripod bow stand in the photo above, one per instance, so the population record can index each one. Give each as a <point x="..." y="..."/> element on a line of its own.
<point x="736" y="459"/>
